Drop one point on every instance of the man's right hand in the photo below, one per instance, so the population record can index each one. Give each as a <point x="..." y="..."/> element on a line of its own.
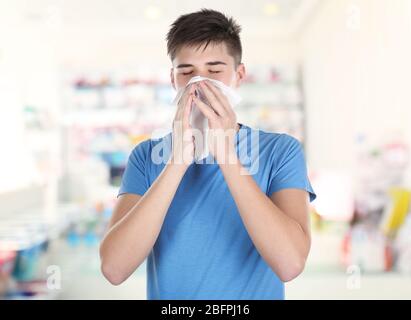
<point x="183" y="141"/>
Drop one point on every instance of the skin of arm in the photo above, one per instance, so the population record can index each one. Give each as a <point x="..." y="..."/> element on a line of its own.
<point x="278" y="226"/>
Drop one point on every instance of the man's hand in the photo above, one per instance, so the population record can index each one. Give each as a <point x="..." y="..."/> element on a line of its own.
<point x="222" y="122"/>
<point x="183" y="144"/>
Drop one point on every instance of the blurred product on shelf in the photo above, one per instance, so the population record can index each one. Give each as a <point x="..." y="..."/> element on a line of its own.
<point x="25" y="242"/>
<point x="396" y="211"/>
<point x="27" y="261"/>
<point x="116" y="161"/>
<point x="7" y="260"/>
<point x="366" y="247"/>
<point x="90" y="225"/>
<point x="382" y="205"/>
<point x="273" y="100"/>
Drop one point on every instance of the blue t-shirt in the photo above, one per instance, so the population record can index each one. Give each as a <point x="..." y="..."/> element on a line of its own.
<point x="203" y="250"/>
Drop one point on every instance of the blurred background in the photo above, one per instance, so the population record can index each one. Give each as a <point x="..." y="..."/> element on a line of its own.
<point x="83" y="82"/>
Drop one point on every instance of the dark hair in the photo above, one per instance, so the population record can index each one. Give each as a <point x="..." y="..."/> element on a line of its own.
<point x="205" y="26"/>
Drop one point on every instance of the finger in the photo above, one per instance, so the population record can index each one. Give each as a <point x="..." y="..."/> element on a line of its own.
<point x="183" y="101"/>
<point x="207" y="111"/>
<point x="214" y="101"/>
<point x="190" y="89"/>
<point x="220" y="96"/>
<point x="187" y="111"/>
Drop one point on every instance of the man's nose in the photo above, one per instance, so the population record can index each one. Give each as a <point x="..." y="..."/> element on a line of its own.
<point x="195" y="74"/>
<point x="201" y="73"/>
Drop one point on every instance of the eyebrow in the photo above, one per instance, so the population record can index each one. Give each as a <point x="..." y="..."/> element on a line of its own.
<point x="211" y="63"/>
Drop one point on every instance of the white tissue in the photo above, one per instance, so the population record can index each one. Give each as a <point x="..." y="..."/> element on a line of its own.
<point x="198" y="120"/>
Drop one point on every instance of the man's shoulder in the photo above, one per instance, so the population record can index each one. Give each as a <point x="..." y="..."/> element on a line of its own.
<point x="271" y="137"/>
<point x="150" y="142"/>
<point x="154" y="150"/>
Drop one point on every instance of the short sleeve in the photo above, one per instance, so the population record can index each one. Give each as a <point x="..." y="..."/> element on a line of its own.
<point x="290" y="169"/>
<point x="134" y="178"/>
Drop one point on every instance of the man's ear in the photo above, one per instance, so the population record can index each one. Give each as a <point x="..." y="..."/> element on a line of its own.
<point x="240" y="74"/>
<point x="172" y="78"/>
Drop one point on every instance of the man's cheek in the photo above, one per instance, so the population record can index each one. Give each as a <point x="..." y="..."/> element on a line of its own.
<point x="224" y="78"/>
<point x="181" y="82"/>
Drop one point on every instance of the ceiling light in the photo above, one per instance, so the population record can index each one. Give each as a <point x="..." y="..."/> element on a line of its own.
<point x="271" y="9"/>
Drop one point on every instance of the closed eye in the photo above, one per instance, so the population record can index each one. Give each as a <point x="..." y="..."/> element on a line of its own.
<point x="187" y="73"/>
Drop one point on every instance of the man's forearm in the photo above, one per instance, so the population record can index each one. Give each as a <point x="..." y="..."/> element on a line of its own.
<point x="278" y="238"/>
<point x="131" y="239"/>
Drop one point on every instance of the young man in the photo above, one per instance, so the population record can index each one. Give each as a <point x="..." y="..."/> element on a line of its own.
<point x="209" y="231"/>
